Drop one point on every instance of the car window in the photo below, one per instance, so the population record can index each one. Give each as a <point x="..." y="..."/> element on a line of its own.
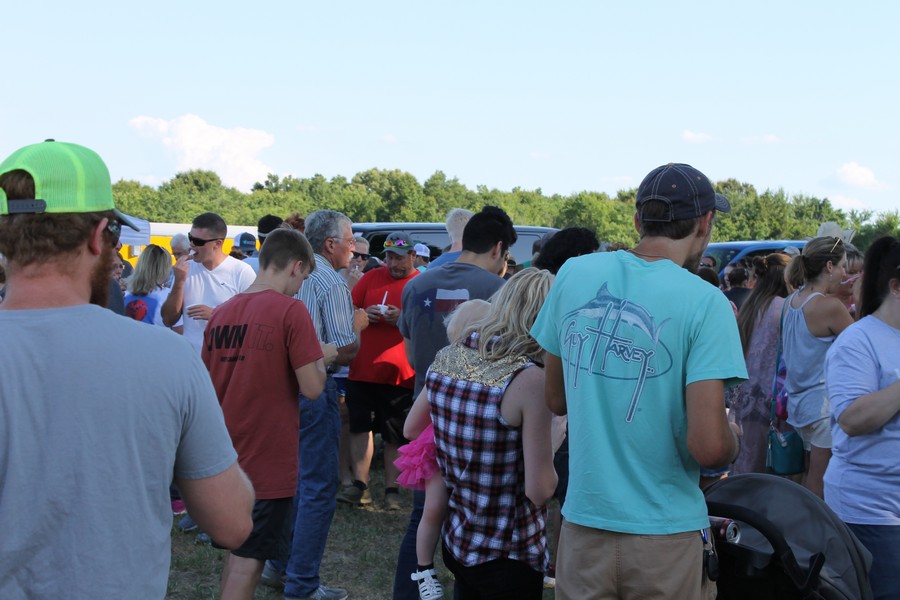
<point x="521" y="250"/>
<point x="723" y="254"/>
<point x="437" y="239"/>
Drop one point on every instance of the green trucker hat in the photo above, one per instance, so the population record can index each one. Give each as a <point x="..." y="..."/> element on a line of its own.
<point x="68" y="178"/>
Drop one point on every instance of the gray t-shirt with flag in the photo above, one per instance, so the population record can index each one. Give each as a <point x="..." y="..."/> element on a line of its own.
<point x="428" y="298"/>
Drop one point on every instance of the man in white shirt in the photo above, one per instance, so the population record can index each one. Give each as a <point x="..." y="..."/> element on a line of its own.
<point x="204" y="279"/>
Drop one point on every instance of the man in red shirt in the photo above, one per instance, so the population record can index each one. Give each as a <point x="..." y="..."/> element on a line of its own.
<point x="261" y="351"/>
<point x="380" y="384"/>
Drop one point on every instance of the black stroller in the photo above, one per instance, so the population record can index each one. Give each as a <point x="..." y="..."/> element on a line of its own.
<point x="784" y="543"/>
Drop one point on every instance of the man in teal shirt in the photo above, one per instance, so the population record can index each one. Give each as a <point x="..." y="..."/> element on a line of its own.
<point x="639" y="350"/>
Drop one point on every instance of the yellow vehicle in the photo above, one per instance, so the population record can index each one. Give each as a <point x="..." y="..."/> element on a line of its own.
<point x="133" y="242"/>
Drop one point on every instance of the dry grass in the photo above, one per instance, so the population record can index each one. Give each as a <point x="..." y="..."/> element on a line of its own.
<point x="361" y="555"/>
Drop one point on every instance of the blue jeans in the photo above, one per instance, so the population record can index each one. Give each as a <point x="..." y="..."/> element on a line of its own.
<point x="883" y="541"/>
<point x="404" y="587"/>
<point x="317" y="485"/>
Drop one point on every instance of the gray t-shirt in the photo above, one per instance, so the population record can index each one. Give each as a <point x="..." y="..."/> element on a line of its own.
<point x="97" y="413"/>
<point x="429" y="297"/>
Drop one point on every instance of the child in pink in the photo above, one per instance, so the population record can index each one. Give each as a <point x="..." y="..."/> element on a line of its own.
<point x="418" y="465"/>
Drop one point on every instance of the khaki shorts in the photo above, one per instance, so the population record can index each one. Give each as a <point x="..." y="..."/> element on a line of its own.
<point x="594" y="564"/>
<point x="817" y="433"/>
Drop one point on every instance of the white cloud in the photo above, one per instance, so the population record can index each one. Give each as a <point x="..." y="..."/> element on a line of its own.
<point x="538" y="155"/>
<point x="858" y="176"/>
<point x="694" y="137"/>
<point x="199" y="145"/>
<point x="847" y="203"/>
<point x="768" y="138"/>
<point x="390" y="139"/>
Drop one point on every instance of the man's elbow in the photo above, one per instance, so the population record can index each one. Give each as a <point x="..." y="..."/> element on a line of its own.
<point x="233" y="535"/>
<point x="346" y="354"/>
<point x="557" y="405"/>
<point x="313" y="389"/>
<point x="169" y="316"/>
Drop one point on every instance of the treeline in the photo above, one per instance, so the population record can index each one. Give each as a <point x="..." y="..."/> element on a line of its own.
<point x="393" y="195"/>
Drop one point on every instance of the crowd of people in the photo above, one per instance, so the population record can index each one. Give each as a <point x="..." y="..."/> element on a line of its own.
<point x="617" y="382"/>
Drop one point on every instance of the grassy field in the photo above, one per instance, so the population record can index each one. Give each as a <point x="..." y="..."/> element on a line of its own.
<point x="361" y="555"/>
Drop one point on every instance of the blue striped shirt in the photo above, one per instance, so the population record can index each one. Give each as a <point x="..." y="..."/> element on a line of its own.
<point x="327" y="298"/>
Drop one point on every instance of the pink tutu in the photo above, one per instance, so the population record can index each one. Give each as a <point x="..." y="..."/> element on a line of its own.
<point x="417" y="462"/>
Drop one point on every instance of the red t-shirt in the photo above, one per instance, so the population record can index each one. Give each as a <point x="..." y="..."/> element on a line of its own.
<point x="252" y="346"/>
<point x="381" y="357"/>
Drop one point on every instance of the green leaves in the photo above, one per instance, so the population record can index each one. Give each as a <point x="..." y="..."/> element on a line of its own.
<point x="397" y="196"/>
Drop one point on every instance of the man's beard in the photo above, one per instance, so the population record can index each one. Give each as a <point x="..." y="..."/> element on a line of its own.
<point x="693" y="262"/>
<point x="101" y="277"/>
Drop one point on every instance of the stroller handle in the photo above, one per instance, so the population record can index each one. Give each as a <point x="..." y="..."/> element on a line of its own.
<point x="803" y="579"/>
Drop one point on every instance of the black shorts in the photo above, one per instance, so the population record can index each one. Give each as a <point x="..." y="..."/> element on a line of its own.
<point x="378" y="407"/>
<point x="271" y="535"/>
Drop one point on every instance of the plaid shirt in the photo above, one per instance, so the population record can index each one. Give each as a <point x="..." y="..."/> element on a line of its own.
<point x="481" y="460"/>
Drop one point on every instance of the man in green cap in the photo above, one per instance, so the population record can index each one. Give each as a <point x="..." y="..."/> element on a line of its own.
<point x="88" y="451"/>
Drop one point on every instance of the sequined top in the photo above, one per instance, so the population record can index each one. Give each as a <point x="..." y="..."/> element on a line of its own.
<point x="481" y="460"/>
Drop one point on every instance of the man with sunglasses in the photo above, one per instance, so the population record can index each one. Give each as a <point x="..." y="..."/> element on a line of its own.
<point x="358" y="261"/>
<point x="88" y="450"/>
<point x="204" y="279"/>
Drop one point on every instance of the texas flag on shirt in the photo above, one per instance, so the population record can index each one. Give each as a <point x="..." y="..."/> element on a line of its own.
<point x="438" y="300"/>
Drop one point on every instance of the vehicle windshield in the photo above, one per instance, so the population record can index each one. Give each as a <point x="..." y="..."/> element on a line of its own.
<point x="723" y="253"/>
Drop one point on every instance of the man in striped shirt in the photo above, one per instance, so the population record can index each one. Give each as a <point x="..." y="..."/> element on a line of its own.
<point x="327" y="297"/>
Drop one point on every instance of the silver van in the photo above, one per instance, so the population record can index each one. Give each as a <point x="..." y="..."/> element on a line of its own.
<point x="434" y="235"/>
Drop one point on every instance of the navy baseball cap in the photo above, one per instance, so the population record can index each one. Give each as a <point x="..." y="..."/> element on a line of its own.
<point x="245" y="241"/>
<point x="687" y="192"/>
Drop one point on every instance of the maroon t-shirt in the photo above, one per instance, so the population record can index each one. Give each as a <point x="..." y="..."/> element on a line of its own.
<point x="252" y="345"/>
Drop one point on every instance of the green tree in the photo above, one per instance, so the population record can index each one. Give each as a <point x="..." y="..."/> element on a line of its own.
<point x="139" y="200"/>
<point x="447" y="194"/>
<point x="810" y="212"/>
<point x="402" y="197"/>
<point x="887" y="223"/>
<point x="611" y="220"/>
<point x="395" y="195"/>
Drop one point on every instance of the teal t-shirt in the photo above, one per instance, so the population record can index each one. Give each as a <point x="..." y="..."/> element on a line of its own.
<point x="632" y="335"/>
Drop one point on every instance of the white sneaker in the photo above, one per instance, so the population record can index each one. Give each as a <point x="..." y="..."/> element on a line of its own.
<point x="429" y="587"/>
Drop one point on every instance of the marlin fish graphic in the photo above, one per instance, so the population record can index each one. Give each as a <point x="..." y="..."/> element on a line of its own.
<point x="630" y="313"/>
<point x="605" y="306"/>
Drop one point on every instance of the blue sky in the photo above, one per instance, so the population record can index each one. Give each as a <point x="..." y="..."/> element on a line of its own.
<point x="561" y="96"/>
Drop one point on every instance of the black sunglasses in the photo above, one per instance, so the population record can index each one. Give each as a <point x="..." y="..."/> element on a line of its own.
<point x="708" y="265"/>
<point x="200" y="241"/>
<point x="361" y="255"/>
<point x="114" y="227"/>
